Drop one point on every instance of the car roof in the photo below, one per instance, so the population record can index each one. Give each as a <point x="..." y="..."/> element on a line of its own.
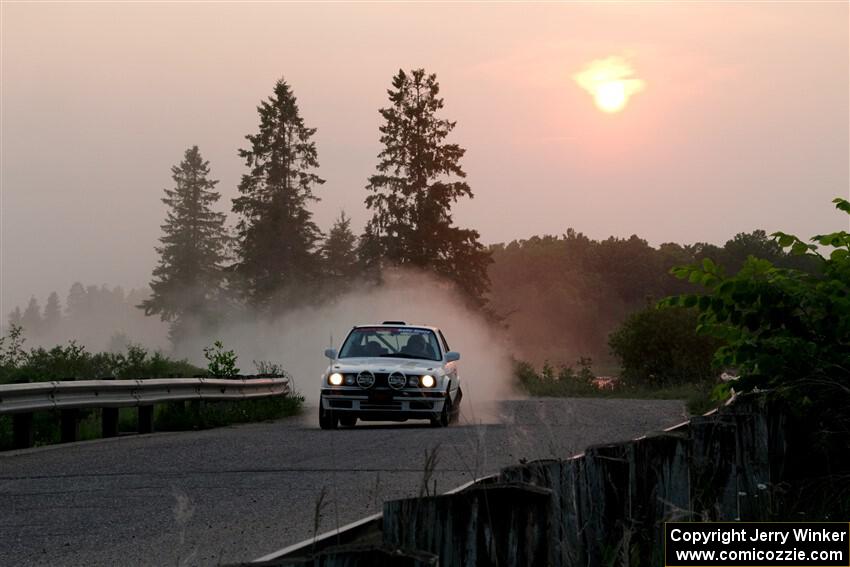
<point x="393" y="326"/>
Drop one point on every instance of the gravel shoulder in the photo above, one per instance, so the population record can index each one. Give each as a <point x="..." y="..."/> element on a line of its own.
<point x="237" y="493"/>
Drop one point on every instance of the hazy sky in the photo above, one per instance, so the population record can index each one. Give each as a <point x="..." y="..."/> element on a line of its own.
<point x="741" y="123"/>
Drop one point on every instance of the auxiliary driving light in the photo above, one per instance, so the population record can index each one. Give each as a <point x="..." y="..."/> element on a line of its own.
<point x="428" y="381"/>
<point x="335" y="379"/>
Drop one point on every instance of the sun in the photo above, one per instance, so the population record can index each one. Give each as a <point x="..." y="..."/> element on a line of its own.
<point x="611" y="97"/>
<point x="611" y="82"/>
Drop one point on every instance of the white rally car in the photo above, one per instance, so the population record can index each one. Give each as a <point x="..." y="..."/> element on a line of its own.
<point x="390" y="372"/>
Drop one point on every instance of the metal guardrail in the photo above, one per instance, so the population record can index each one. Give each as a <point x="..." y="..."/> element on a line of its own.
<point x="21" y="401"/>
<point x="39" y="396"/>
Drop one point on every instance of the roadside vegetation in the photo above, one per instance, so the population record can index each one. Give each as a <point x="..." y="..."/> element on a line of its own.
<point x="74" y="362"/>
<point x="787" y="331"/>
<point x="568" y="382"/>
<point x="782" y="330"/>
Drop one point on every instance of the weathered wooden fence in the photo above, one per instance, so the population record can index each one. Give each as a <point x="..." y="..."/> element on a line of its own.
<point x="606" y="506"/>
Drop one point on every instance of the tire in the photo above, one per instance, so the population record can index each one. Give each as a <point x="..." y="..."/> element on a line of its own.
<point x="454" y="417"/>
<point x="445" y="416"/>
<point x="327" y="418"/>
<point x="348" y="421"/>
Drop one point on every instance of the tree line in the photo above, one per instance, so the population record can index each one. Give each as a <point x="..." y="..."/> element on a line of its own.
<point x="100" y="317"/>
<point x="277" y="258"/>
<point x="562" y="296"/>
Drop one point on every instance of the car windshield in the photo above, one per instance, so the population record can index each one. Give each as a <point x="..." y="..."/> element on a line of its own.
<point x="396" y="342"/>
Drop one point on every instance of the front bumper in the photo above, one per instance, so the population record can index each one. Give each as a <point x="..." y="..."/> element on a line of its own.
<point x="383" y="404"/>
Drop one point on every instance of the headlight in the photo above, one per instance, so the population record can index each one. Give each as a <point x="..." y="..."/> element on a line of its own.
<point x="428" y="381"/>
<point x="335" y="379"/>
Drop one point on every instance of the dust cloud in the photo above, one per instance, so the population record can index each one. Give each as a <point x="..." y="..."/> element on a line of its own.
<point x="297" y="340"/>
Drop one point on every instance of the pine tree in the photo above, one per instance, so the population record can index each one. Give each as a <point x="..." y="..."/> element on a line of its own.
<point x="339" y="253"/>
<point x="418" y="179"/>
<point x="52" y="312"/>
<point x="278" y="260"/>
<point x="186" y="284"/>
<point x="31" y="320"/>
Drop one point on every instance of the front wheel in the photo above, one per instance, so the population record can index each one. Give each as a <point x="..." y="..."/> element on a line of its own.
<point x="445" y="416"/>
<point x="327" y="418"/>
<point x="348" y="421"/>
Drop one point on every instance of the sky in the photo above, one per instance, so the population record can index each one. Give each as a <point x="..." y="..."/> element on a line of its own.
<point x="740" y="119"/>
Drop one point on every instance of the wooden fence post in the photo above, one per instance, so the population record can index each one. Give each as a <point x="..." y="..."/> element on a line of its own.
<point x="495" y="524"/>
<point x="603" y="500"/>
<point x="659" y="491"/>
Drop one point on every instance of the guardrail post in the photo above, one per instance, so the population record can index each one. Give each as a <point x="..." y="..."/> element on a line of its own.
<point x="69" y="425"/>
<point x="22" y="437"/>
<point x="109" y="422"/>
<point x="146" y="419"/>
<point x="109" y="419"/>
<point x="69" y="428"/>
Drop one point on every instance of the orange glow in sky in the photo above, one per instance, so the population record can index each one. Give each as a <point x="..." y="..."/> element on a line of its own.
<point x="610" y="82"/>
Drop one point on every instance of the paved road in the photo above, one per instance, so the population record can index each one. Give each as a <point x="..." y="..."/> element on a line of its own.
<point x="236" y="493"/>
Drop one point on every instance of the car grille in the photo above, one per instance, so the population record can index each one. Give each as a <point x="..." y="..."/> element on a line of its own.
<point x="380" y="379"/>
<point x="364" y="405"/>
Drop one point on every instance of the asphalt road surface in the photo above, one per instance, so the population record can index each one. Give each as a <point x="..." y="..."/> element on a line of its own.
<point x="237" y="493"/>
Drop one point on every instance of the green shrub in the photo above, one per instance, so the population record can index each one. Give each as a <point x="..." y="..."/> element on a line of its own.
<point x="658" y="348"/>
<point x="73" y="362"/>
<point x="221" y="363"/>
<point x="784" y="328"/>
<point x="787" y="331"/>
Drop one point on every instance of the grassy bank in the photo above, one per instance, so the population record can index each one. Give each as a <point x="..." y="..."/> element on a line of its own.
<point x="578" y="382"/>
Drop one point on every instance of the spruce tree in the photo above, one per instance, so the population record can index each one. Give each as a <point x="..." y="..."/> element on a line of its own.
<point x="418" y="179"/>
<point x="52" y="312"/>
<point x="339" y="253"/>
<point x="186" y="284"/>
<point x="31" y="320"/>
<point x="77" y="306"/>
<point x="279" y="263"/>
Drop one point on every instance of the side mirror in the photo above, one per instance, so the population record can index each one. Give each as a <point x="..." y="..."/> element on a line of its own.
<point x="330" y="353"/>
<point x="452" y="356"/>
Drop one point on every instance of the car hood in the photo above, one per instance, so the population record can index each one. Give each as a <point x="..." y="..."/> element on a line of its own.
<point x="383" y="364"/>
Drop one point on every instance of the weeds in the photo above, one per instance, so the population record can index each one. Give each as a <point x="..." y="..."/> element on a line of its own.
<point x="430" y="465"/>
<point x="318" y="508"/>
<point x="221" y="363"/>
